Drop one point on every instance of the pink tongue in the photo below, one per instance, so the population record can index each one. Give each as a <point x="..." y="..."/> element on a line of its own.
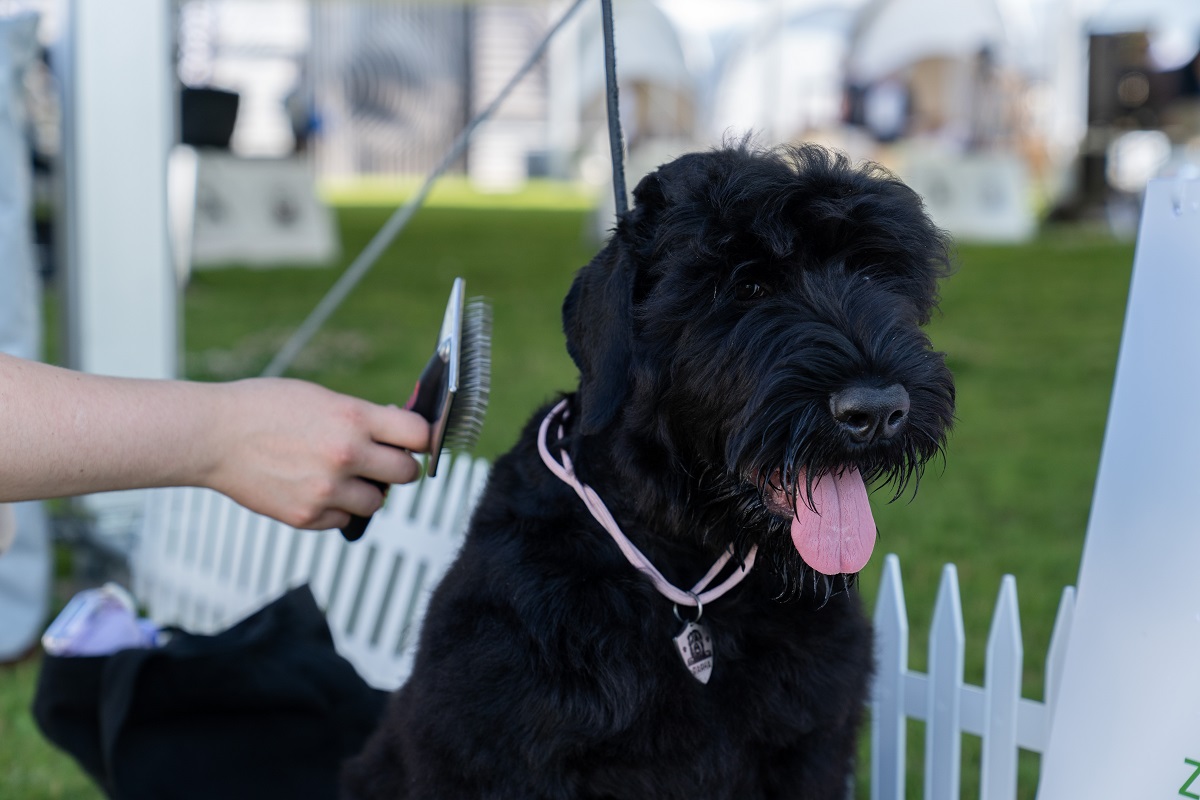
<point x="841" y="535"/>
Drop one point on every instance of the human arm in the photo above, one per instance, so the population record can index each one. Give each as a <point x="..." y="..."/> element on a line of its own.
<point x="286" y="448"/>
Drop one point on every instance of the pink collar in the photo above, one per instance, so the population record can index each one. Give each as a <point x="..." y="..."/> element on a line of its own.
<point x="698" y="595"/>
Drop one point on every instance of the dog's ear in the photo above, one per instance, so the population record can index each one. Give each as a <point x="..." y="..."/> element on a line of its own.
<point x="597" y="321"/>
<point x="598" y="312"/>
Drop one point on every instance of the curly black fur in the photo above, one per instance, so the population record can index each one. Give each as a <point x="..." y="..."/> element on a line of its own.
<point x="743" y="289"/>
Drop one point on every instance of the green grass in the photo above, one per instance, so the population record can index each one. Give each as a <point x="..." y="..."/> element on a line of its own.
<point x="456" y="191"/>
<point x="30" y="769"/>
<point x="1031" y="332"/>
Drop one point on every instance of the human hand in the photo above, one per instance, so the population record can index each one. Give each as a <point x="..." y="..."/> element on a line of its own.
<point x="300" y="453"/>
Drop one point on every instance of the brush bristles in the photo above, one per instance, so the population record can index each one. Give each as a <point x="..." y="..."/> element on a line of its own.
<point x="465" y="422"/>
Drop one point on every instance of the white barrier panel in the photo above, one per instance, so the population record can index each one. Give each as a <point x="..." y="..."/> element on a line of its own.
<point x="977" y="196"/>
<point x="1127" y="722"/>
<point x="258" y="211"/>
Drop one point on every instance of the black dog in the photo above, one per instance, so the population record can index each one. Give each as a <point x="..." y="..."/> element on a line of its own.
<point x="750" y="352"/>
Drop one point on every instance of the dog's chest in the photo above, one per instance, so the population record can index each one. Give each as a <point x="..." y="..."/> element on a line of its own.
<point x="769" y="695"/>
<point x="761" y="665"/>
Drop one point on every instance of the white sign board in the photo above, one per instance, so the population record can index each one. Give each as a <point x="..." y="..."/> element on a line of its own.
<point x="1127" y="721"/>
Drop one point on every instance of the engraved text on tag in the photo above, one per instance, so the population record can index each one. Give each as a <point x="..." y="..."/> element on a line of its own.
<point x="696" y="650"/>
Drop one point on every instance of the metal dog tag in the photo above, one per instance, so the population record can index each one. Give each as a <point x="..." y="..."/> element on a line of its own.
<point x="695" y="648"/>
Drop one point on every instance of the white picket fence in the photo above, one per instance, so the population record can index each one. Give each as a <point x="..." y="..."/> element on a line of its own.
<point x="204" y="562"/>
<point x="947" y="705"/>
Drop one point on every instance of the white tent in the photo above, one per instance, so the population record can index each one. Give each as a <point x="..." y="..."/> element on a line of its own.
<point x="891" y="34"/>
<point x="785" y="78"/>
<point x="648" y="49"/>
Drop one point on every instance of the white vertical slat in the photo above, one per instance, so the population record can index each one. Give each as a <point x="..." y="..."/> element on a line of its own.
<point x="455" y="495"/>
<point x="166" y="562"/>
<point x="181" y="511"/>
<point x="311" y="567"/>
<point x="284" y="561"/>
<point x="213" y="532"/>
<point x="430" y="500"/>
<point x="479" y="471"/>
<point x="197" y="525"/>
<point x="943" y="728"/>
<point x="150" y="537"/>
<point x="247" y="551"/>
<point x="324" y="577"/>
<point x="276" y="537"/>
<point x="352" y="577"/>
<point x="236" y="563"/>
<point x="888" y="722"/>
<point x="471" y="475"/>
<point x="188" y="606"/>
<point x="1060" y="637"/>
<point x="235" y="522"/>
<point x="360" y="578"/>
<point x="208" y="589"/>
<point x="151" y="542"/>
<point x="300" y="560"/>
<point x="379" y="619"/>
<point x="344" y="588"/>
<point x="1002" y="688"/>
<point x="416" y="585"/>
<point x="183" y="507"/>
<point x="214" y="537"/>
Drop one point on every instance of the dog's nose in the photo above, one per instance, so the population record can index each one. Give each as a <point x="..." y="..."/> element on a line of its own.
<point x="868" y="413"/>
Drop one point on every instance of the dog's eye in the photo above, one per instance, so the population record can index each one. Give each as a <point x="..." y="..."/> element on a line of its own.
<point x="749" y="290"/>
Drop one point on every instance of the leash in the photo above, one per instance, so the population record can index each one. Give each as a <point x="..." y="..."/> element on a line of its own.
<point x="697" y="595"/>
<point x="616" y="143"/>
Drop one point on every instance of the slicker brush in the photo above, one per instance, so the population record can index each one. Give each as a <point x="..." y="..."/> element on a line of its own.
<point x="452" y="392"/>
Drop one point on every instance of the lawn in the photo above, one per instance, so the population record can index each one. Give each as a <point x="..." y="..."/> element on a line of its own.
<point x="1031" y="333"/>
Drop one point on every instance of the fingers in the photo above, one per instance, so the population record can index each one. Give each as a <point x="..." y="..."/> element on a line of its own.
<point x="385" y="435"/>
<point x="400" y="428"/>
<point x="387" y="464"/>
<point x="361" y="498"/>
<point x="328" y="520"/>
<point x="352" y="497"/>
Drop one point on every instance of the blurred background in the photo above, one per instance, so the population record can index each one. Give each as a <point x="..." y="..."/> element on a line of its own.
<point x="185" y="180"/>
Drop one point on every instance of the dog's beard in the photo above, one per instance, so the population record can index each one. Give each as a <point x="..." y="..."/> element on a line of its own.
<point x="774" y="464"/>
<point x="740" y="506"/>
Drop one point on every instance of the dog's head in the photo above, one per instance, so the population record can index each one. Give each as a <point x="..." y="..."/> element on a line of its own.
<point x="751" y="335"/>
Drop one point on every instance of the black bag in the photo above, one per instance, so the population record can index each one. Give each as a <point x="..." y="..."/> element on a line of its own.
<point x="265" y="709"/>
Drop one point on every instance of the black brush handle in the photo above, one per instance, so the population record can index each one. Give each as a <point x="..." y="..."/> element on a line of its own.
<point x="425" y="400"/>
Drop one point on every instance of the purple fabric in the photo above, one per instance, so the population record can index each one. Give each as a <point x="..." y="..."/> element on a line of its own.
<point x="99" y="622"/>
